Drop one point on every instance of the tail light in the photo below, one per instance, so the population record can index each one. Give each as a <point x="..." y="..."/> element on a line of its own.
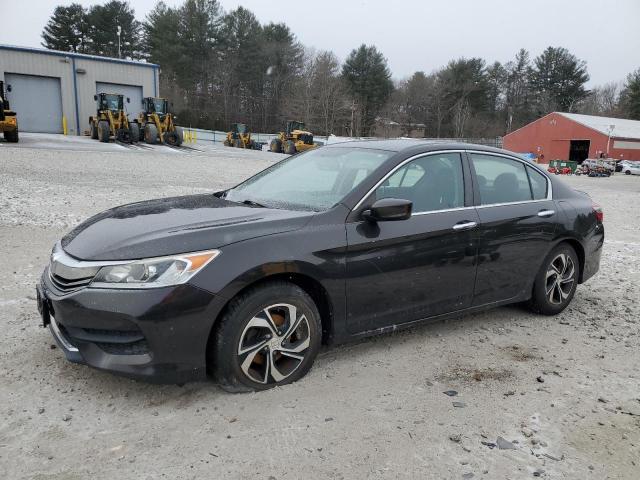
<point x="598" y="211"/>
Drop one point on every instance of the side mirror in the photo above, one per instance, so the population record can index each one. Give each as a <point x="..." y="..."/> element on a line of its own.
<point x="128" y="100"/>
<point x="9" y="88"/>
<point x="388" y="209"/>
<point x="95" y="97"/>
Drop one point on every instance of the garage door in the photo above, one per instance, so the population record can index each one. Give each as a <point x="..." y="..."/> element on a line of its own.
<point x="37" y="101"/>
<point x="134" y="92"/>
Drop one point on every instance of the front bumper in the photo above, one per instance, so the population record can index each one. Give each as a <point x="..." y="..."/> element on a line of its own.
<point x="158" y="335"/>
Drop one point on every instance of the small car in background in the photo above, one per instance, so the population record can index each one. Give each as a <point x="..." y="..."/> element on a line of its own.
<point x="622" y="163"/>
<point x="631" y="168"/>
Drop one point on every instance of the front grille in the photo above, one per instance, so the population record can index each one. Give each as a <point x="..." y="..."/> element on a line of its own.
<point x="68" y="274"/>
<point x="67" y="285"/>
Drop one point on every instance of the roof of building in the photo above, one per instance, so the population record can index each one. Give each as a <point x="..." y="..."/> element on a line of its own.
<point x="616" y="127"/>
<point x="59" y="53"/>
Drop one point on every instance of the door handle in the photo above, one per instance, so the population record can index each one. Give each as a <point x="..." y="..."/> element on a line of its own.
<point x="546" y="213"/>
<point x="465" y="226"/>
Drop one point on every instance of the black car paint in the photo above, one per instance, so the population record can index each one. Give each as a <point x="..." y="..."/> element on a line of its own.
<point x="352" y="267"/>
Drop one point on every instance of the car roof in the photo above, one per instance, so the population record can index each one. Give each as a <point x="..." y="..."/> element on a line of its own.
<point x="416" y="144"/>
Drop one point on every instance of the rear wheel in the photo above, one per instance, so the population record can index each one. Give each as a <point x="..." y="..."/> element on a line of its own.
<point x="276" y="145"/>
<point x="103" y="131"/>
<point x="94" y="131"/>
<point x="11" y="136"/>
<point x="628" y="172"/>
<point x="150" y="134"/>
<point x="289" y="147"/>
<point x="269" y="336"/>
<point x="556" y="282"/>
<point x="238" y="143"/>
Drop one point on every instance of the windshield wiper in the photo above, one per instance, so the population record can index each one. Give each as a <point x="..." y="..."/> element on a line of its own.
<point x="252" y="203"/>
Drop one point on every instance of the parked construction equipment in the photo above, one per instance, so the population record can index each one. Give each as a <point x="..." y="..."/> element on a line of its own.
<point x="294" y="139"/>
<point x="111" y="120"/>
<point x="240" y="137"/>
<point x="157" y="124"/>
<point x="8" y="118"/>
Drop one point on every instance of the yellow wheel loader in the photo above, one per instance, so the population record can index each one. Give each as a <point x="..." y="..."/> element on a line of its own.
<point x="157" y="124"/>
<point x="111" y="120"/>
<point x="239" y="137"/>
<point x="8" y="118"/>
<point x="294" y="139"/>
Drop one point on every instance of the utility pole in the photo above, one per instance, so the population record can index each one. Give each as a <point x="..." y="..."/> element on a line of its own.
<point x="119" y="32"/>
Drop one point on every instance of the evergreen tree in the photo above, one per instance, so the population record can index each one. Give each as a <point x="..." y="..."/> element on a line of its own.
<point x="369" y="81"/>
<point x="630" y="96"/>
<point x="67" y="29"/>
<point x="104" y="23"/>
<point x="558" y="80"/>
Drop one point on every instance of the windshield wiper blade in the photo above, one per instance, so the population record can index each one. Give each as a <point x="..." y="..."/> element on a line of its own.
<point x="252" y="203"/>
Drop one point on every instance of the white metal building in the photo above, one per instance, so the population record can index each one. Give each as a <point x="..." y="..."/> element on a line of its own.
<point x="49" y="89"/>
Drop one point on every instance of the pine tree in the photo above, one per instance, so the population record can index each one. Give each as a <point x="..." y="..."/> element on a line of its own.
<point x="630" y="96"/>
<point x="558" y="79"/>
<point x="104" y="23"/>
<point x="369" y="81"/>
<point x="67" y="29"/>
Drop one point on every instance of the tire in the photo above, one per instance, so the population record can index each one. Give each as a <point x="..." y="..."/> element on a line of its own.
<point x="226" y="143"/>
<point x="238" y="143"/>
<point x="134" y="132"/>
<point x="12" y="136"/>
<point x="252" y="369"/>
<point x="180" y="135"/>
<point x="549" y="297"/>
<point x="276" y="145"/>
<point x="94" y="131"/>
<point x="627" y="172"/>
<point x="103" y="131"/>
<point x="150" y="134"/>
<point x="123" y="135"/>
<point x="290" y="147"/>
<point x="172" y="139"/>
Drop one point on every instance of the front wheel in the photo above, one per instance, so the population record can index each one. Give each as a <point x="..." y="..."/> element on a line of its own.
<point x="269" y="336"/>
<point x="556" y="282"/>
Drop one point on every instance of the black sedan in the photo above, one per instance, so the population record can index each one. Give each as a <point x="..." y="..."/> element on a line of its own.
<point x="337" y="243"/>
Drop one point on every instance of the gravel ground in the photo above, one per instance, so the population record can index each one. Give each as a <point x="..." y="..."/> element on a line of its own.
<point x="560" y="396"/>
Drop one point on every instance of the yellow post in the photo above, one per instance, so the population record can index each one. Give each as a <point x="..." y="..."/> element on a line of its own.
<point x="64" y="124"/>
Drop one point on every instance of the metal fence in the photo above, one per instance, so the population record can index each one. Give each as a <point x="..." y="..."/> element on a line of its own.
<point x="217" y="136"/>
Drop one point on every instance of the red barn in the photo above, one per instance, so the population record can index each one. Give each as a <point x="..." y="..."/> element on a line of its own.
<point x="570" y="136"/>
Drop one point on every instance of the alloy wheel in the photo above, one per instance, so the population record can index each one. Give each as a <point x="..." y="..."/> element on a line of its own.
<point x="274" y="343"/>
<point x="560" y="279"/>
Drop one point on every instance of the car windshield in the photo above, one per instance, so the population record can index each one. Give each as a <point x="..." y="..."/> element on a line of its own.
<point x="315" y="180"/>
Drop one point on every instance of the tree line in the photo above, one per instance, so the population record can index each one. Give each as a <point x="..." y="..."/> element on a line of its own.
<point x="222" y="67"/>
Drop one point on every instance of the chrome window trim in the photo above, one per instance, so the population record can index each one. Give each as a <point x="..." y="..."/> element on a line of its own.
<point x="481" y="152"/>
<point x="444" y="210"/>
<point x="401" y="164"/>
<point x="526" y="164"/>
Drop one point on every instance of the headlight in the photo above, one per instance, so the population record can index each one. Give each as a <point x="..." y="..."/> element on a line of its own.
<point x="153" y="272"/>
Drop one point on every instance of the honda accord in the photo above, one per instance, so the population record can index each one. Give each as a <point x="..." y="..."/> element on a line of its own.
<point x="327" y="246"/>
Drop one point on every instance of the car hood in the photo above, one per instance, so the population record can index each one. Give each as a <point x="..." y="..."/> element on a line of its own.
<point x="169" y="226"/>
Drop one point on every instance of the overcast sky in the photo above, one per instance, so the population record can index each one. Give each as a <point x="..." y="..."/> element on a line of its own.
<point x="420" y="34"/>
